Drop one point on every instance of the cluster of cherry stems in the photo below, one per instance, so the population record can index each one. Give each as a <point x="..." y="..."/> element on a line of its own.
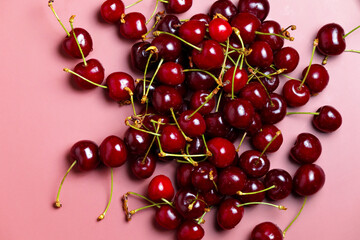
<point x="230" y="53"/>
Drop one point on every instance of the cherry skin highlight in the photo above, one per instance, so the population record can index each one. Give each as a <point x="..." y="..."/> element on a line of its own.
<point x="266" y="231"/>
<point x="307" y="148"/>
<point x="260" y="8"/>
<point x="70" y="46"/>
<point x="328" y="120"/>
<point x="133" y="26"/>
<point x="143" y="169"/>
<point x="229" y="214"/>
<point x="210" y="57"/>
<point x="167" y="217"/>
<point x="308" y="179"/>
<point x="287" y="58"/>
<point x="223" y="152"/>
<point x="223" y="7"/>
<point x="331" y="39"/>
<point x="193" y="126"/>
<point x="295" y="94"/>
<point x="93" y="71"/>
<point x="189" y="203"/>
<point x="111" y="10"/>
<point x="190" y="230"/>
<point x="116" y="83"/>
<point x="85" y="152"/>
<point x="317" y="78"/>
<point x="160" y="187"/>
<point x="282" y="181"/>
<point x="171" y="139"/>
<point x="113" y="152"/>
<point x="178" y="6"/>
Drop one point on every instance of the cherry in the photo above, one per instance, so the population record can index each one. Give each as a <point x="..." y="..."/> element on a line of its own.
<point x="183" y="175"/>
<point x="266" y="231"/>
<point x="133" y="26"/>
<point x="223" y="152"/>
<point x="287" y="58"/>
<point x="317" y="78"/>
<point x="240" y="79"/>
<point x="165" y="97"/>
<point x="117" y="83"/>
<point x="171" y="73"/>
<point x="196" y="146"/>
<point x="199" y="99"/>
<point x="308" y="179"/>
<point x="252" y="185"/>
<point x="261" y="54"/>
<point x="137" y="141"/>
<point x="275" y="110"/>
<point x="231" y="180"/>
<point x="139" y="91"/>
<point x="216" y="125"/>
<point x="197" y="80"/>
<point x="139" y="56"/>
<point x="260" y="8"/>
<point x="167" y="217"/>
<point x="113" y="151"/>
<point x="155" y="117"/>
<point x="85" y="41"/>
<point x="189" y="203"/>
<point x="192" y="31"/>
<point x="204" y="177"/>
<point x="255" y="93"/>
<point x="213" y="197"/>
<point x="295" y="93"/>
<point x="143" y="166"/>
<point x="201" y="17"/>
<point x="160" y="187"/>
<point x="262" y="138"/>
<point x="239" y="113"/>
<point x="211" y="55"/>
<point x="327" y="120"/>
<point x="169" y="23"/>
<point x="282" y="181"/>
<point x="223" y="7"/>
<point x="111" y="10"/>
<point x="253" y="164"/>
<point x="171" y="139"/>
<point x="271" y="83"/>
<point x="219" y="29"/>
<point x="229" y="213"/>
<point x="190" y="230"/>
<point x="247" y="24"/>
<point x="192" y="123"/>
<point x="307" y="148"/>
<point x="168" y="47"/>
<point x="331" y="39"/>
<point x="254" y="126"/>
<point x="178" y="6"/>
<point x="275" y="42"/>
<point x="93" y="71"/>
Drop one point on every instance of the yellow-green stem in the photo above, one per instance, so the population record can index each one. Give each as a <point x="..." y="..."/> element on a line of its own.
<point x="241" y="141"/>
<point x="316" y="42"/>
<point x="302" y="207"/>
<point x="101" y="217"/>
<point x="71" y="20"/>
<point x="57" y="202"/>
<point x="133" y="4"/>
<point x="50" y="4"/>
<point x="260" y="191"/>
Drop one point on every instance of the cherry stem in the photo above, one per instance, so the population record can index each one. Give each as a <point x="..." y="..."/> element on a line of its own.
<point x="145" y="72"/>
<point x="241" y="141"/>
<point x="71" y="20"/>
<point x="192" y="161"/>
<point x="132" y="212"/>
<point x="257" y="71"/>
<point x="163" y="154"/>
<point x="278" y="133"/>
<point x="316" y="42"/>
<point x="237" y="33"/>
<point x="153" y="13"/>
<point x="85" y="79"/>
<point x="287" y="76"/>
<point x="177" y="124"/>
<point x="218" y="102"/>
<point x="152" y="142"/>
<point x="207" y="99"/>
<point x="164" y="1"/>
<point x="157" y="33"/>
<point x="251" y="193"/>
<point x="208" y="153"/>
<point x="233" y="76"/>
<point x="144" y="97"/>
<point x="302" y="207"/>
<point x="201" y="219"/>
<point x="157" y="19"/>
<point x="224" y="62"/>
<point x="127" y="123"/>
<point x="167" y="202"/>
<point x="101" y="217"/>
<point x="351" y="31"/>
<point x="263" y="203"/>
<point x="351" y="50"/>
<point x="293" y="27"/>
<point x="57" y="202"/>
<point x="267" y="92"/>
<point x="50" y="4"/>
<point x="131" y="99"/>
<point x="158" y="140"/>
<point x="133" y="4"/>
<point x="141" y="196"/>
<point x="200" y="70"/>
<point x="311" y="113"/>
<point x="274" y="34"/>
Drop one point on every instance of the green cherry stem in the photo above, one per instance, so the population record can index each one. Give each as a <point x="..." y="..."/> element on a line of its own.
<point x="263" y="203"/>
<point x="200" y="70"/>
<point x="241" y="142"/>
<point x="144" y="97"/>
<point x="351" y="50"/>
<point x="201" y="219"/>
<point x="131" y="99"/>
<point x="127" y="123"/>
<point x="152" y="142"/>
<point x="57" y="202"/>
<point x="233" y="76"/>
<point x="207" y="99"/>
<point x="85" y="79"/>
<point x="310" y="113"/>
<point x="157" y="33"/>
<point x="267" y="92"/>
<point x="208" y="153"/>
<point x="101" y="217"/>
<point x="153" y="13"/>
<point x="132" y="212"/>
<point x="274" y="34"/>
<point x="278" y="133"/>
<point x="237" y="33"/>
<point x="50" y="4"/>
<point x="224" y="62"/>
<point x="302" y="207"/>
<point x="218" y="101"/>
<point x="167" y="202"/>
<point x="141" y="196"/>
<point x="251" y="193"/>
<point x="351" y="31"/>
<point x="293" y="27"/>
<point x="71" y="20"/>
<point x="177" y="124"/>
<point x="316" y="42"/>
<point x="133" y="4"/>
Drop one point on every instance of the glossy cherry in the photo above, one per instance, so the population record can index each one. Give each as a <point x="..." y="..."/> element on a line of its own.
<point x="196" y="146"/>
<point x="210" y="57"/>
<point x="261" y="54"/>
<point x="183" y="175"/>
<point x="204" y="177"/>
<point x="189" y="203"/>
<point x="254" y="165"/>
<point x="171" y="73"/>
<point x="70" y="46"/>
<point x="282" y="181"/>
<point x="287" y="58"/>
<point x="240" y="80"/>
<point x="168" y="47"/>
<point x="167" y="217"/>
<point x="137" y="141"/>
<point x="213" y="197"/>
<point x="201" y="17"/>
<point x="192" y="31"/>
<point x="133" y="26"/>
<point x="271" y="83"/>
<point x="143" y="168"/>
<point x="295" y="94"/>
<point x="160" y="187"/>
<point x="275" y="42"/>
<point x="219" y="29"/>
<point x="247" y="25"/>
<point x="165" y="97"/>
<point x="223" y="7"/>
<point x="223" y="152"/>
<point x="216" y="125"/>
<point x="255" y="93"/>
<point x="260" y="8"/>
<point x="262" y="138"/>
<point x="198" y="98"/>
<point x="111" y="10"/>
<point x="113" y="151"/>
<point x="171" y="139"/>
<point x="307" y="148"/>
<point x="331" y="39"/>
<point x="231" y="180"/>
<point x="178" y="6"/>
<point x="254" y="126"/>
<point x="93" y="71"/>
<point x="229" y="213"/>
<point x="193" y="126"/>
<point x="139" y="91"/>
<point x="328" y="120"/>
<point x="85" y="153"/>
<point x="252" y="185"/>
<point x="308" y="179"/>
<point x="139" y="56"/>
<point x="266" y="231"/>
<point x="169" y="23"/>
<point x="239" y="113"/>
<point x="199" y="81"/>
<point x="116" y="83"/>
<point x="190" y="230"/>
<point x="317" y="78"/>
<point x="275" y="110"/>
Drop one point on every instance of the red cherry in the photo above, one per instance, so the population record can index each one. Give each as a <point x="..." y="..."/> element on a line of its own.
<point x="229" y="214"/>
<point x="216" y="125"/>
<point x="328" y="120"/>
<point x="183" y="175"/>
<point x="331" y="39"/>
<point x="317" y="78"/>
<point x="178" y="6"/>
<point x="201" y="17"/>
<point x="192" y="31"/>
<point x="169" y="23"/>
<point x="199" y="98"/>
<point x="70" y="46"/>
<point x="160" y="187"/>
<point x="253" y="164"/>
<point x="137" y="141"/>
<point x="189" y="204"/>
<point x="307" y="148"/>
<point x="266" y="231"/>
<point x="260" y="8"/>
<point x="252" y="185"/>
<point x="190" y="230"/>
<point x="231" y="180"/>
<point x="287" y="58"/>
<point x="171" y="139"/>
<point x="275" y="110"/>
<point x="199" y="81"/>
<point x="165" y="97"/>
<point x="223" y="7"/>
<point x="240" y="80"/>
<point x="85" y="152"/>
<point x="111" y="10"/>
<point x="171" y="73"/>
<point x="275" y="42"/>
<point x="133" y="26"/>
<point x="93" y="71"/>
<point x="261" y="54"/>
<point x="139" y="56"/>
<point x="262" y="138"/>
<point x="113" y="152"/>
<point x="213" y="197"/>
<point x="210" y="57"/>
<point x="143" y="169"/>
<point x="116" y="83"/>
<point x="247" y="25"/>
<point x="219" y="29"/>
<point x="167" y="217"/>
<point x="193" y="126"/>
<point x="309" y="179"/>
<point x="223" y="152"/>
<point x="254" y="126"/>
<point x="272" y="83"/>
<point x="255" y="93"/>
<point x="204" y="177"/>
<point x="239" y="113"/>
<point x="282" y="181"/>
<point x="168" y="47"/>
<point x="295" y="94"/>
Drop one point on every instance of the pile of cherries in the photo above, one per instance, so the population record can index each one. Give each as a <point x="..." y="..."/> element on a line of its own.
<point x="206" y="82"/>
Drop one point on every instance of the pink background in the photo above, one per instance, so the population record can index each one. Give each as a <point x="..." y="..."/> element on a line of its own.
<point x="43" y="115"/>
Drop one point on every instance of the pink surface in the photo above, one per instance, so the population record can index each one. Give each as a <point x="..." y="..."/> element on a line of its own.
<point x="43" y="115"/>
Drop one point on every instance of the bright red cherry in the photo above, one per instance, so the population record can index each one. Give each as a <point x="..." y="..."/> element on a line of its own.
<point x="171" y="73"/>
<point x="260" y="8"/>
<point x="133" y="26"/>
<point x="239" y="113"/>
<point x="167" y="217"/>
<point x="307" y="148"/>
<point x="262" y="138"/>
<point x="192" y="31"/>
<point x="160" y="187"/>
<point x="282" y="181"/>
<point x="165" y="97"/>
<point x="171" y="139"/>
<point x="252" y="185"/>
<point x="189" y="203"/>
<point x="85" y="152"/>
<point x="143" y="168"/>
<point x="254" y="165"/>
<point x="261" y="54"/>
<point x="198" y="98"/>
<point x="231" y="180"/>
<point x="201" y="17"/>
<point x="116" y="83"/>
<point x="287" y="58"/>
<point x="211" y="55"/>
<point x="93" y="71"/>
<point x="219" y="29"/>
<point x="247" y="25"/>
<point x="113" y="152"/>
<point x="317" y="78"/>
<point x="178" y="6"/>
<point x="223" y="152"/>
<point x="331" y="39"/>
<point x="229" y="213"/>
<point x="190" y="230"/>
<point x="193" y="126"/>
<point x="255" y="93"/>
<point x="223" y="7"/>
<point x="328" y="120"/>
<point x="111" y="10"/>
<point x="85" y="41"/>
<point x="240" y="80"/>
<point x="266" y="231"/>
<point x="168" y="47"/>
<point x="308" y="179"/>
<point x="275" y="42"/>
<point x="295" y="94"/>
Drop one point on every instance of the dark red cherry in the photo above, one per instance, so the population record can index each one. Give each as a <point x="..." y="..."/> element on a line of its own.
<point x="282" y="181"/>
<point x="219" y="29"/>
<point x="116" y="83"/>
<point x="261" y="54"/>
<point x="85" y="41"/>
<point x="143" y="168"/>
<point x="213" y="197"/>
<point x="210" y="57"/>
<point x="171" y="139"/>
<point x="183" y="175"/>
<point x="201" y="17"/>
<point x="328" y="120"/>
<point x="271" y="83"/>
<point x="189" y="203"/>
<point x="223" y="152"/>
<point x="196" y="146"/>
<point x="165" y="97"/>
<point x="275" y="110"/>
<point x="190" y="230"/>
<point x="260" y="8"/>
<point x="193" y="126"/>
<point x="262" y="138"/>
<point x="171" y="73"/>
<point x="111" y="10"/>
<point x="275" y="42"/>
<point x="198" y="98"/>
<point x="204" y="177"/>
<point x="253" y="165"/>
<point x="199" y="81"/>
<point x="229" y="213"/>
<point x="266" y="231"/>
<point x="160" y="187"/>
<point x="307" y="148"/>
<point x="255" y="93"/>
<point x="216" y="125"/>
<point x="254" y="126"/>
<point x="93" y="71"/>
<point x="156" y="117"/>
<point x="295" y="94"/>
<point x="287" y="58"/>
<point x="167" y="217"/>
<point x="308" y="179"/>
<point x="137" y="142"/>
<point x="113" y="152"/>
<point x="317" y="78"/>
<point x="253" y="185"/>
<point x="240" y="79"/>
<point x="169" y="23"/>
<point x="239" y="113"/>
<point x="133" y="26"/>
<point x="139" y="91"/>
<point x="85" y="152"/>
<point x="223" y="7"/>
<point x="231" y="180"/>
<point x="169" y="48"/>
<point x="192" y="31"/>
<point x="178" y="6"/>
<point x="139" y="56"/>
<point x="247" y="25"/>
<point x="331" y="39"/>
